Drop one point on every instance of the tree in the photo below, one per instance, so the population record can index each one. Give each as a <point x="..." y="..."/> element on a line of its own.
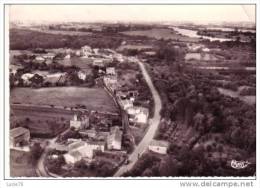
<point x="168" y="167"/>
<point x="37" y="80"/>
<point x="147" y="173"/>
<point x="36" y="151"/>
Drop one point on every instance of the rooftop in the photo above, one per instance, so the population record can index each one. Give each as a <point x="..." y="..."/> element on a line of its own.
<point x="18" y="131"/>
<point x="137" y="110"/>
<point x="159" y="143"/>
<point x="76" y="145"/>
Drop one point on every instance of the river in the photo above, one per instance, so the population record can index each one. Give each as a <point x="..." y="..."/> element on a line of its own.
<point x="193" y="34"/>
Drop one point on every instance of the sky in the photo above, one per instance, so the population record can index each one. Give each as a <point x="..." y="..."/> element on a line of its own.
<point x="129" y="13"/>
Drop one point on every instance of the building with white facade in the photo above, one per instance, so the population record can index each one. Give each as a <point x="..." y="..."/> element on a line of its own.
<point x="80" y="149"/>
<point x="138" y="114"/>
<point x="126" y="103"/>
<point x="110" y="71"/>
<point x="82" y="75"/>
<point x="114" y="140"/>
<point x="158" y="146"/>
<point x="79" y="123"/>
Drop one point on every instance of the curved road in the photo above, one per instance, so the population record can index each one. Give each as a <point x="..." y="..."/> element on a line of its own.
<point x="154" y="123"/>
<point x="41" y="169"/>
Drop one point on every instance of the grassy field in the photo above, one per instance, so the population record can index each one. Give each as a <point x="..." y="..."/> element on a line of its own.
<point x="20" y="165"/>
<point x="161" y="34"/>
<point x="93" y="98"/>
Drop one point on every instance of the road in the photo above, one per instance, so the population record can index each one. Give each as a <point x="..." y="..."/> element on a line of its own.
<point x="41" y="169"/>
<point x="154" y="123"/>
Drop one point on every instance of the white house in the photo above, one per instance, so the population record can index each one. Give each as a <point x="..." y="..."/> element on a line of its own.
<point x="138" y="114"/>
<point x="98" y="146"/>
<point x="13" y="68"/>
<point x="80" y="149"/>
<point x="72" y="157"/>
<point x="95" y="50"/>
<point x="26" y="78"/>
<point x="67" y="56"/>
<point x="39" y="58"/>
<point x="159" y="146"/>
<point x="79" y="122"/>
<point x="48" y="56"/>
<point x="126" y="103"/>
<point x="114" y="139"/>
<point x="110" y="71"/>
<point x="86" y="51"/>
<point x="82" y="75"/>
<point x="77" y="53"/>
<point x="205" y="49"/>
<point x="119" y="57"/>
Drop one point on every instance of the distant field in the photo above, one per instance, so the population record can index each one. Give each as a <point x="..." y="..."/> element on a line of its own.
<point x="161" y="34"/>
<point x="61" y="32"/>
<point x="20" y="164"/>
<point x="92" y="98"/>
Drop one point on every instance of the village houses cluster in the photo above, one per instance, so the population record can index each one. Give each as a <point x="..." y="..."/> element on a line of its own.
<point x="110" y="139"/>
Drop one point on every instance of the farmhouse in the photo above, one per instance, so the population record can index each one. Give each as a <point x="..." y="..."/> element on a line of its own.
<point x="158" y="146"/>
<point x="114" y="140"/>
<point x="79" y="122"/>
<point x="19" y="136"/>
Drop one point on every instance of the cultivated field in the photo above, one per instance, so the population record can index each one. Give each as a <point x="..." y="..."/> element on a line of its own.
<point x="93" y="98"/>
<point x="161" y="34"/>
<point x="42" y="122"/>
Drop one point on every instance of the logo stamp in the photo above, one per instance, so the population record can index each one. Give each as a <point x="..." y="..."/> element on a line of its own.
<point x="239" y="164"/>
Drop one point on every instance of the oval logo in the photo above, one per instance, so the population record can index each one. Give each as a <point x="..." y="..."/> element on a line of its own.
<point x="239" y="164"/>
